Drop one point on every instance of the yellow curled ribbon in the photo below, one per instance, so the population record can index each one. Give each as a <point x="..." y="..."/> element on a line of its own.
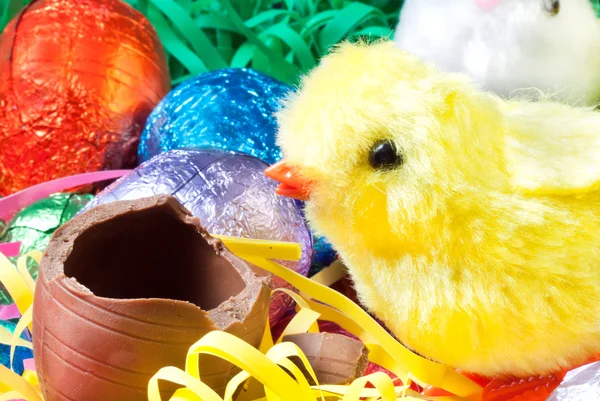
<point x="267" y="373"/>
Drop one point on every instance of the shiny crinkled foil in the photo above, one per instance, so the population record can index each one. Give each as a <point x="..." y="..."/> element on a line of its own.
<point x="77" y="80"/>
<point x="231" y="109"/>
<point x="231" y="196"/>
<point x="34" y="225"/>
<point x="581" y="384"/>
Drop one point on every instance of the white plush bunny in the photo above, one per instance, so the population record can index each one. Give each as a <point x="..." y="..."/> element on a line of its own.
<point x="510" y="46"/>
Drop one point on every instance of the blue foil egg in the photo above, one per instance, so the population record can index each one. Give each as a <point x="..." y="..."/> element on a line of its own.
<point x="230" y="109"/>
<point x="323" y="255"/>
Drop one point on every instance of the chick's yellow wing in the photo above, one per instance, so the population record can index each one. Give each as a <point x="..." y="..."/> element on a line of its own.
<point x="552" y="149"/>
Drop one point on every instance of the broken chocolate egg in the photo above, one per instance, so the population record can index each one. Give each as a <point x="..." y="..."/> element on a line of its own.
<point x="335" y="358"/>
<point x="125" y="289"/>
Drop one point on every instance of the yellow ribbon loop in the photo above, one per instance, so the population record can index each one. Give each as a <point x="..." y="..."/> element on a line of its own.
<point x="21" y="326"/>
<point x="245" y="247"/>
<point x="331" y="274"/>
<point x="24" y="272"/>
<point x="379" y="356"/>
<point x="381" y="381"/>
<point x="10" y="396"/>
<point x="425" y="370"/>
<point x="302" y="303"/>
<point x="16" y="286"/>
<point x="267" y="340"/>
<point x="178" y="376"/>
<point x="304" y="321"/>
<point x="234" y="384"/>
<point x="32" y="378"/>
<point x="19" y="385"/>
<point x="269" y="373"/>
<point x="6" y="338"/>
<point x="241" y="354"/>
<point x="185" y="394"/>
<point x="286" y="350"/>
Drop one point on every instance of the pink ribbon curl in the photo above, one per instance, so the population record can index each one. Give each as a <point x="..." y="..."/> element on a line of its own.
<point x="15" y="202"/>
<point x="10" y="249"/>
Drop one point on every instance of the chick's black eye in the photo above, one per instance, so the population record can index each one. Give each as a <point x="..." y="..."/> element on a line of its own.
<point x="385" y="156"/>
<point x="552" y="6"/>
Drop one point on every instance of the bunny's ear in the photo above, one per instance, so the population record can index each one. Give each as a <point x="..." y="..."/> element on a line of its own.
<point x="552" y="149"/>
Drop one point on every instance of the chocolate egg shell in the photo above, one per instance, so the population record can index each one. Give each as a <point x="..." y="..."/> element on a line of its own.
<point x="335" y="358"/>
<point x="125" y="289"/>
<point x="230" y="194"/>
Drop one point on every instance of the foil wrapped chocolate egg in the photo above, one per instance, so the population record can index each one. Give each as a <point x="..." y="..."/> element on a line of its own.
<point x="33" y="225"/>
<point x="323" y="255"/>
<point x="582" y="383"/>
<point x="231" y="196"/>
<point x="125" y="289"/>
<point x="78" y="79"/>
<point x="231" y="109"/>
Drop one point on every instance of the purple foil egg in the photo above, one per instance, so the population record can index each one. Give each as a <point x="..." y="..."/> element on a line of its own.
<point x="229" y="194"/>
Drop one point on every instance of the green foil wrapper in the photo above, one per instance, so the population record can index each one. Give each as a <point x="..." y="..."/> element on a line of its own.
<point x="34" y="225"/>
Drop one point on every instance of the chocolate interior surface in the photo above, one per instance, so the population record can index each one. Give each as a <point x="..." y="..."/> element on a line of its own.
<point x="157" y="256"/>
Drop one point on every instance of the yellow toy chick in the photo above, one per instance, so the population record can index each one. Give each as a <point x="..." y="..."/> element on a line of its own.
<point x="470" y="224"/>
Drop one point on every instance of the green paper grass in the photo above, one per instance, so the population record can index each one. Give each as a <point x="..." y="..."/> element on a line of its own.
<point x="596" y="4"/>
<point x="282" y="38"/>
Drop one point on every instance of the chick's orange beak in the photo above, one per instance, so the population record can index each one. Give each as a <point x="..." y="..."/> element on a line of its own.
<point x="290" y="182"/>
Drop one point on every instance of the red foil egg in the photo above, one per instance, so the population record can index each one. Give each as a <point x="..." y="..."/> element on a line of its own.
<point x="78" y="79"/>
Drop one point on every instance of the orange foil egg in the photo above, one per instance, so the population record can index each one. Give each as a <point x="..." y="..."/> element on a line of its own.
<point x="77" y="80"/>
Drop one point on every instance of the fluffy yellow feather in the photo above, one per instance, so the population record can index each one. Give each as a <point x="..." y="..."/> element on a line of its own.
<point x="479" y="244"/>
